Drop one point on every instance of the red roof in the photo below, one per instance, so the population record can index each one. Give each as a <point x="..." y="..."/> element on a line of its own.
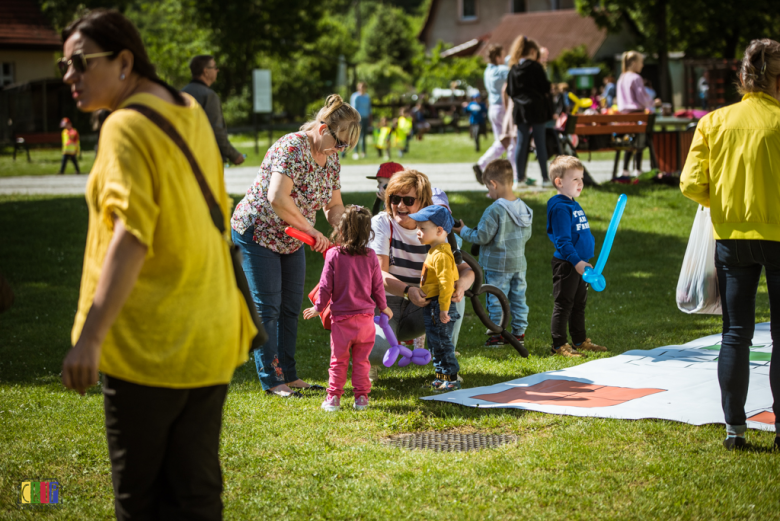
<point x="23" y="26"/>
<point x="556" y="30"/>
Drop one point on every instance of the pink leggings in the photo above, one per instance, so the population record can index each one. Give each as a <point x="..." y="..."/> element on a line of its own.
<point x="354" y="332"/>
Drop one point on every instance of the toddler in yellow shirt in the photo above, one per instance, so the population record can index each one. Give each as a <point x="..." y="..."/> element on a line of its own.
<point x="437" y="281"/>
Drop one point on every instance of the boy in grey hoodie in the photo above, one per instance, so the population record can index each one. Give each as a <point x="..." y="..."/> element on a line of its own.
<point x="502" y="232"/>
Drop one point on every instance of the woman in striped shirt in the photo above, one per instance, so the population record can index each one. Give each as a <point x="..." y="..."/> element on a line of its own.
<point x="401" y="257"/>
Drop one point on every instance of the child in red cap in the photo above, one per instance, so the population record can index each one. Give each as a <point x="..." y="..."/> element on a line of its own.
<point x="386" y="171"/>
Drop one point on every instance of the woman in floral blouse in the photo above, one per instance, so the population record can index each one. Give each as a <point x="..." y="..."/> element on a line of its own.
<point x="298" y="177"/>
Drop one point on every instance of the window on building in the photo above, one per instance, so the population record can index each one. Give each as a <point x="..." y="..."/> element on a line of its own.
<point x="565" y="4"/>
<point x="6" y="74"/>
<point x="517" y="6"/>
<point x="468" y="9"/>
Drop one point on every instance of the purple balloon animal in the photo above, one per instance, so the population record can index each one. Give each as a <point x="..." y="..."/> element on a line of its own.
<point x="418" y="356"/>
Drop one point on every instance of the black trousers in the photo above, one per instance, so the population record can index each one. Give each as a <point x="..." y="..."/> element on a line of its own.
<point x="571" y="295"/>
<point x="65" y="159"/>
<point x="739" y="264"/>
<point x="164" y="449"/>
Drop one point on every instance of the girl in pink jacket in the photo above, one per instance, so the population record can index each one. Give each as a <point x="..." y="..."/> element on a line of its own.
<point x="352" y="281"/>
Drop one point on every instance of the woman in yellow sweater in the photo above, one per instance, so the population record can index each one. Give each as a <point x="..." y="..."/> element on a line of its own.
<point x="159" y="311"/>
<point x="733" y="168"/>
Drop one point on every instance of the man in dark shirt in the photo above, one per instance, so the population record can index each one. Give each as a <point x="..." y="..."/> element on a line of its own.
<point x="204" y="73"/>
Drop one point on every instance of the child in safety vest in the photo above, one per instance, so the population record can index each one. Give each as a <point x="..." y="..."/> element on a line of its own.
<point x="382" y="136"/>
<point x="70" y="145"/>
<point x="403" y="131"/>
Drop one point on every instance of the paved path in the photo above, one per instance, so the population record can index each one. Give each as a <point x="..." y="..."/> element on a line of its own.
<point x="447" y="176"/>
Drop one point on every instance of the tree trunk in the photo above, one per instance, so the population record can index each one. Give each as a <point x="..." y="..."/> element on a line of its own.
<point x="663" y="51"/>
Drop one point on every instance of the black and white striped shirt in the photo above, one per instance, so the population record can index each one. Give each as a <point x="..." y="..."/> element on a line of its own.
<point x="407" y="255"/>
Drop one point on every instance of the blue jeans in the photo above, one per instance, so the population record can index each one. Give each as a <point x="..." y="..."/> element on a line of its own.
<point x="513" y="285"/>
<point x="523" y="145"/>
<point x="439" y="338"/>
<point x="739" y="264"/>
<point x="276" y="282"/>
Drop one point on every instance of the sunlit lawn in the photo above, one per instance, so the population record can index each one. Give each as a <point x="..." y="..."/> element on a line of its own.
<point x="287" y="459"/>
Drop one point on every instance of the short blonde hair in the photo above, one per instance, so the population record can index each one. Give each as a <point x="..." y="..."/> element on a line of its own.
<point x="562" y="164"/>
<point x="338" y="116"/>
<point x="407" y="180"/>
<point x="498" y="170"/>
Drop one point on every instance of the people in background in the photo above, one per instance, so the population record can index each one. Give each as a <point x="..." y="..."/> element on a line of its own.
<point x="204" y="72"/>
<point x="477" y="112"/>
<point x="610" y="90"/>
<point x="71" y="146"/>
<point x="633" y="97"/>
<point x="530" y="90"/>
<point x="495" y="76"/>
<point x="361" y="101"/>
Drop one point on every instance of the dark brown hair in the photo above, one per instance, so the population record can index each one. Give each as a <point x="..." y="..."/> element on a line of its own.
<point x="353" y="232"/>
<point x="199" y="63"/>
<point x="500" y="171"/>
<point x="494" y="52"/>
<point x="112" y="31"/>
<point x="760" y="66"/>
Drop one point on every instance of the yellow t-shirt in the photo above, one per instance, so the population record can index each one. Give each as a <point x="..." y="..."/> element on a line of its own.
<point x="439" y="274"/>
<point x="185" y="323"/>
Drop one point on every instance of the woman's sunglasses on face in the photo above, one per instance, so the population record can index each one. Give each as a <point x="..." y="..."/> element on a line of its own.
<point x="340" y="145"/>
<point x="408" y="201"/>
<point x="79" y="61"/>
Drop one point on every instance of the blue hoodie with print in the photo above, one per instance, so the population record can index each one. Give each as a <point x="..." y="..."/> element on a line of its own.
<point x="569" y="230"/>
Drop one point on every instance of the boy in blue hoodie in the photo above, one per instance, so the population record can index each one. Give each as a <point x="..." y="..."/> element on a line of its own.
<point x="569" y="230"/>
<point x="502" y="232"/>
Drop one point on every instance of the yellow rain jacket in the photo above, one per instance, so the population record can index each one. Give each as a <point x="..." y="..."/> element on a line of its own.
<point x="733" y="167"/>
<point x="70" y="142"/>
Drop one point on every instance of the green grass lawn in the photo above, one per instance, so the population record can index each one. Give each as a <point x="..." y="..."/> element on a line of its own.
<point x="43" y="161"/>
<point x="285" y="459"/>
<point x="434" y="148"/>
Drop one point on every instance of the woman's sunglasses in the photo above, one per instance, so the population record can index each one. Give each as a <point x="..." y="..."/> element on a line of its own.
<point x="79" y="61"/>
<point x="340" y="145"/>
<point x="408" y="201"/>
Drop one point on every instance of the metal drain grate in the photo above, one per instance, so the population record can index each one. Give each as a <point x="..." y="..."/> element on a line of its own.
<point x="449" y="442"/>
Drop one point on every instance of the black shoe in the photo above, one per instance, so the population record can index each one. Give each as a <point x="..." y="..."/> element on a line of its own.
<point x="478" y="174"/>
<point x="495" y="341"/>
<point x="735" y="442"/>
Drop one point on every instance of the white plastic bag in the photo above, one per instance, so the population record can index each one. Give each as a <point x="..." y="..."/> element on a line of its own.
<point x="697" y="288"/>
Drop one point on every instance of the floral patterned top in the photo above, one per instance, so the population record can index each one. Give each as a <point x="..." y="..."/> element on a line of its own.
<point x="313" y="187"/>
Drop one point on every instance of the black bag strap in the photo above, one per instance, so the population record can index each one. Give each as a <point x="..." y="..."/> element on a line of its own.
<point x="170" y="131"/>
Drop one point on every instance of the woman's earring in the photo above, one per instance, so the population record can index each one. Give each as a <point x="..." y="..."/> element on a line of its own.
<point x="122" y="77"/>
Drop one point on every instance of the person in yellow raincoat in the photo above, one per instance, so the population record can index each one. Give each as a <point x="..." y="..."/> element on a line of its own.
<point x="70" y="145"/>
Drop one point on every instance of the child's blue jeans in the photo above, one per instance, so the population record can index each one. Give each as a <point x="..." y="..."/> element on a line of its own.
<point x="439" y="337"/>
<point x="513" y="285"/>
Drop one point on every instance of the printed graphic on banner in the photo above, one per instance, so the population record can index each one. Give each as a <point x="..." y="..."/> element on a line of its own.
<point x="39" y="493"/>
<point x="678" y="383"/>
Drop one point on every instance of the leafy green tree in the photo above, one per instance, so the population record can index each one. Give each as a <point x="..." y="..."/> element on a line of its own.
<point x="170" y="36"/>
<point x="243" y="29"/>
<point x="438" y="72"/>
<point x="388" y="38"/>
<point x="701" y="28"/>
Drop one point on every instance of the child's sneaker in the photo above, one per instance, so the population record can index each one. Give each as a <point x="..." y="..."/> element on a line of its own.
<point x="587" y="345"/>
<point x="734" y="442"/>
<point x="565" y="350"/>
<point x="361" y="402"/>
<point x="495" y="341"/>
<point x="446" y="387"/>
<point x="331" y="404"/>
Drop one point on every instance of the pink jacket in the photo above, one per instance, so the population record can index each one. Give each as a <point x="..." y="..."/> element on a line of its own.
<point x="352" y="282"/>
<point x="631" y="93"/>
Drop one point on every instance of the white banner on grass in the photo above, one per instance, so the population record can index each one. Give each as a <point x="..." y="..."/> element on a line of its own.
<point x="678" y="383"/>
